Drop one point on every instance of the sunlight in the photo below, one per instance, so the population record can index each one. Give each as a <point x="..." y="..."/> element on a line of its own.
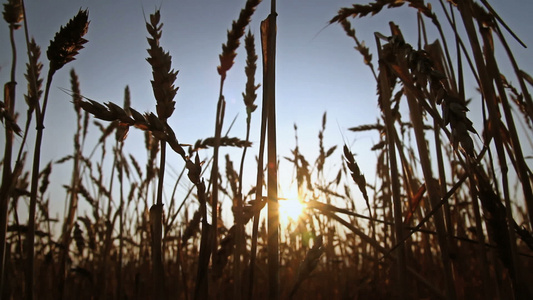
<point x="290" y="209"/>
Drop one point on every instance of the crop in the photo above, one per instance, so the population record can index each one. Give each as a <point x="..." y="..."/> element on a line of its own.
<point x="448" y="214"/>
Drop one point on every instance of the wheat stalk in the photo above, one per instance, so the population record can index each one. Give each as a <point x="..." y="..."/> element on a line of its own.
<point x="226" y="62"/>
<point x="384" y="82"/>
<point x="63" y="49"/>
<point x="268" y="37"/>
<point x="249" y="97"/>
<point x="164" y="92"/>
<point x="13" y="15"/>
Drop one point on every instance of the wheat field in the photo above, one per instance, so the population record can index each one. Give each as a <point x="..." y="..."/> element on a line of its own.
<point x="447" y="215"/>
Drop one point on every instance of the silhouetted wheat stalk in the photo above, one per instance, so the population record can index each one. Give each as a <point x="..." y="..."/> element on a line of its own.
<point x="268" y="39"/>
<point x="249" y="97"/>
<point x="13" y="15"/>
<point x="63" y="49"/>
<point x="226" y="62"/>
<point x="164" y="93"/>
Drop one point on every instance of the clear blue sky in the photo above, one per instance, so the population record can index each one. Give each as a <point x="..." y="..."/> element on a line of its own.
<point x="317" y="68"/>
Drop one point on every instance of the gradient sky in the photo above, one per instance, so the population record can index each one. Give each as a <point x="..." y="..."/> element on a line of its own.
<point x="317" y="68"/>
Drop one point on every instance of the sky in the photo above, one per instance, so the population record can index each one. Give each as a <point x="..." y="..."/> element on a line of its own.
<point x="318" y="70"/>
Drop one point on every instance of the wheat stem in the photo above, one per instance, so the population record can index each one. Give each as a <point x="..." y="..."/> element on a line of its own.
<point x="385" y="96"/>
<point x="249" y="98"/>
<point x="9" y="91"/>
<point x="268" y="36"/>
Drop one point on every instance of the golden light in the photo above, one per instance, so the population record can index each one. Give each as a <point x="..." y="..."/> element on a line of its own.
<point x="290" y="209"/>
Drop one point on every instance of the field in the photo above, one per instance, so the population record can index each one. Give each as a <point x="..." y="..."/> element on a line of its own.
<point x="448" y="213"/>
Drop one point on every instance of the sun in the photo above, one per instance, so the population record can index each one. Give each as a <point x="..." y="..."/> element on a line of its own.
<point x="290" y="209"/>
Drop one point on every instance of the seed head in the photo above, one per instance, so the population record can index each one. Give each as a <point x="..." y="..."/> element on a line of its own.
<point x="33" y="76"/>
<point x="237" y="31"/>
<point x="164" y="75"/>
<point x="68" y="41"/>
<point x="13" y="13"/>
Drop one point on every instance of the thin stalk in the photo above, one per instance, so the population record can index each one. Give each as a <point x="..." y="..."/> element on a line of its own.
<point x="189" y="191"/>
<point x="119" y="137"/>
<point x="448" y="56"/>
<point x="435" y="209"/>
<point x="446" y="65"/>
<point x="249" y="97"/>
<point x="157" y="211"/>
<point x="226" y="62"/>
<point x="120" y="282"/>
<point x="445" y="224"/>
<point x="34" y="188"/>
<point x="109" y="225"/>
<point x="202" y="287"/>
<point x="482" y="252"/>
<point x="239" y="238"/>
<point x="268" y="33"/>
<point x="525" y="92"/>
<point x="494" y="115"/>
<point x="258" y="191"/>
<point x="442" y="184"/>
<point x="239" y="232"/>
<point x="460" y="44"/>
<point x="164" y="93"/>
<point x="432" y="190"/>
<point x="520" y="165"/>
<point x="385" y="95"/>
<point x="75" y="181"/>
<point x="8" y="152"/>
<point x="171" y="220"/>
<point x="219" y="119"/>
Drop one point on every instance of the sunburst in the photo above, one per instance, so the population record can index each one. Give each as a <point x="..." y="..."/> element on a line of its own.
<point x="290" y="209"/>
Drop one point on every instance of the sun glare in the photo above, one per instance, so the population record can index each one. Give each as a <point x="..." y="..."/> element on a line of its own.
<point x="290" y="209"/>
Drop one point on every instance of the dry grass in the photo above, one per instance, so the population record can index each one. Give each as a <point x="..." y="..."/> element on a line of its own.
<point x="441" y="218"/>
